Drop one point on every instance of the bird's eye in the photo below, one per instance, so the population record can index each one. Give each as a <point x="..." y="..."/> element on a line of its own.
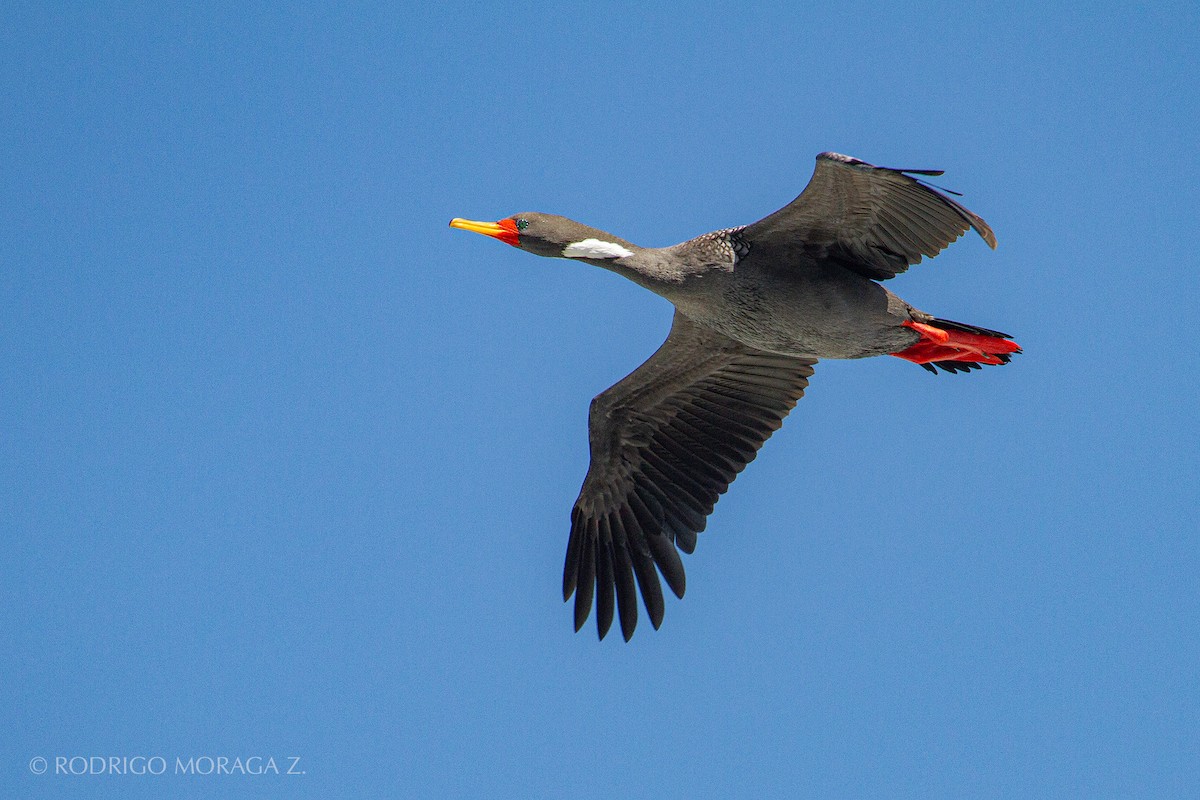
<point x="522" y="224"/>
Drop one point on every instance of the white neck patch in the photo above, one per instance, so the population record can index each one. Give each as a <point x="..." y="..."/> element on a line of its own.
<point x="595" y="248"/>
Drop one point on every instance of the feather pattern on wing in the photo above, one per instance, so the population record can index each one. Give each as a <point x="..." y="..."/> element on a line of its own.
<point x="666" y="442"/>
<point x="876" y="221"/>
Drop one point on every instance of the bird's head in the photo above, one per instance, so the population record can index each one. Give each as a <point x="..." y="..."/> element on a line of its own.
<point x="551" y="235"/>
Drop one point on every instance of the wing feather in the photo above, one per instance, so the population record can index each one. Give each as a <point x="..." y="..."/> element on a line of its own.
<point x="666" y="442"/>
<point x="874" y="220"/>
<point x="587" y="571"/>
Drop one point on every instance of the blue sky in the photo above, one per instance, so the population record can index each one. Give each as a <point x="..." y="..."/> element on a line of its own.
<point x="288" y="463"/>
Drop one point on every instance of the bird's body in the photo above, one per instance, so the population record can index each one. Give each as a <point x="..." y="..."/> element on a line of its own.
<point x="806" y="308"/>
<point x="756" y="307"/>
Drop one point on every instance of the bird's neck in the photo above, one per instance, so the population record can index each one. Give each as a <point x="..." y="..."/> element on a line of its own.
<point x="661" y="270"/>
<point x="638" y="264"/>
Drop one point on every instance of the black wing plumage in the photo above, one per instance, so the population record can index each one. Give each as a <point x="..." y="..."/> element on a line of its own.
<point x="876" y="221"/>
<point x="666" y="442"/>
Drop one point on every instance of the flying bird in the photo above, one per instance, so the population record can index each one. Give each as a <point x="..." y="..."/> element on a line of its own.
<point x="755" y="308"/>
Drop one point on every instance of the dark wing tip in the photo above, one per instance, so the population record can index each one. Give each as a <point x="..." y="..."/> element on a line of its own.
<point x="984" y="230"/>
<point x="571" y="563"/>
<point x="629" y="623"/>
<point x="668" y="561"/>
<point x="603" y="623"/>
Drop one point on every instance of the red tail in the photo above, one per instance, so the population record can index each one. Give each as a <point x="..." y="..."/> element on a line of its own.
<point x="954" y="346"/>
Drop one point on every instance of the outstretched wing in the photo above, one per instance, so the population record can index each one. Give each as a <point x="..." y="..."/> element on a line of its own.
<point x="876" y="221"/>
<point x="666" y="442"/>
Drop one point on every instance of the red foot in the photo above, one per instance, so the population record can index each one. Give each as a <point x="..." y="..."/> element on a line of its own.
<point x="942" y="345"/>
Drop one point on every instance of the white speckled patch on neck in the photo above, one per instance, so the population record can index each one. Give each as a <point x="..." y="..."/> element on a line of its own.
<point x="595" y="248"/>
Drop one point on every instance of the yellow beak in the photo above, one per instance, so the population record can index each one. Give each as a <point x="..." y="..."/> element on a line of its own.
<point x="486" y="228"/>
<point x="505" y="230"/>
